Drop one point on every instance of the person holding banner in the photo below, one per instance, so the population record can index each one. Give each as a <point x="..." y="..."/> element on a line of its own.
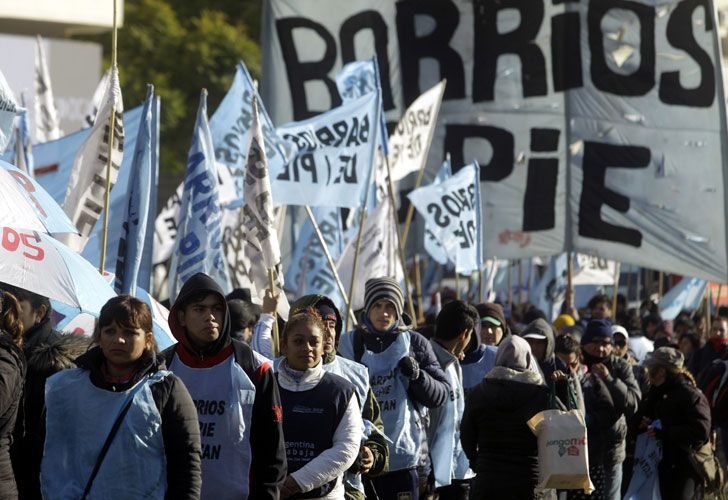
<point x="120" y="425"/>
<point x="405" y="375"/>
<point x="321" y="417"/>
<point x="46" y="352"/>
<point x="238" y="404"/>
<point x="12" y="374"/>
<point x="374" y="454"/>
<point x="684" y="414"/>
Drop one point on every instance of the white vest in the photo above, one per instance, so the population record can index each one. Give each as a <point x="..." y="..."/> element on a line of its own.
<point x="224" y="397"/>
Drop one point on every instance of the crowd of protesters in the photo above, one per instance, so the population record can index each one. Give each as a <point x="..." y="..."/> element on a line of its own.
<point x="384" y="411"/>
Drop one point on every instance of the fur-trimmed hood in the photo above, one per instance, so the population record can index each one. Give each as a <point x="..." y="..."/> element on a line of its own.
<point x="504" y="373"/>
<point x="58" y="353"/>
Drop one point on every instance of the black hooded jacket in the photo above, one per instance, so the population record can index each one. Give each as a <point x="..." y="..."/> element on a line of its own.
<point x="268" y="466"/>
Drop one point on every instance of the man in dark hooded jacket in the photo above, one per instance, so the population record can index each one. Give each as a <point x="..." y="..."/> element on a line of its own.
<point x="374" y="454"/>
<point x="227" y="381"/>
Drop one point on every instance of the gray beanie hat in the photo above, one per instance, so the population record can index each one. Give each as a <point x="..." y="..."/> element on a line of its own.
<point x="383" y="289"/>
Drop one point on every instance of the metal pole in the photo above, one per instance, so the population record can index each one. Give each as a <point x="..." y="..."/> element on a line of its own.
<point x="330" y="260"/>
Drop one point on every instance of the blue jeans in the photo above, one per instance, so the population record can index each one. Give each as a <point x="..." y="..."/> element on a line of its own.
<point x="613" y="488"/>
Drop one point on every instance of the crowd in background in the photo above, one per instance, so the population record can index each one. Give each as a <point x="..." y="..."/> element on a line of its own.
<point x="382" y="411"/>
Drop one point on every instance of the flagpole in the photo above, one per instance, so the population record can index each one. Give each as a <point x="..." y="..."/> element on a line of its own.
<point x="407" y="291"/>
<point x="418" y="286"/>
<point x="112" y="128"/>
<point x="510" y="287"/>
<point x="275" y="339"/>
<point x="520" y="281"/>
<point x="421" y="173"/>
<point x="569" y="281"/>
<point x="720" y="294"/>
<point x="357" y="247"/>
<point x="480" y="286"/>
<point x="330" y="260"/>
<point x="617" y="268"/>
<point x="457" y="285"/>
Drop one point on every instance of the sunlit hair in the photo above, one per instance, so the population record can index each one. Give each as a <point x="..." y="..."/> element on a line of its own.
<point x="10" y="321"/>
<point x="303" y="317"/>
<point x="128" y="312"/>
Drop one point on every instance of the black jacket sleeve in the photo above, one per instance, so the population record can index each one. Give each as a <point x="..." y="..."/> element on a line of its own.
<point x="469" y="426"/>
<point x="181" y="434"/>
<point x="431" y="389"/>
<point x="268" y="468"/>
<point x="692" y="426"/>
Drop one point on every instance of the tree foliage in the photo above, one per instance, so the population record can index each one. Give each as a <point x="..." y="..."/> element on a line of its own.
<point x="181" y="46"/>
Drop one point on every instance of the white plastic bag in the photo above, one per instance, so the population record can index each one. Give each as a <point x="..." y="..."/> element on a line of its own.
<point x="562" y="450"/>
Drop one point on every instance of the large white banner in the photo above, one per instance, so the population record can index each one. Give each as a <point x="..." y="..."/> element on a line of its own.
<point x="597" y="124"/>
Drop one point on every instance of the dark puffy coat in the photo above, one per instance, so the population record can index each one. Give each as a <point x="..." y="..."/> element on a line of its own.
<point x="431" y="389"/>
<point x="12" y="373"/>
<point x="501" y="448"/>
<point x="625" y="394"/>
<point x="46" y="352"/>
<point x="685" y="416"/>
<point x="703" y="358"/>
<point x="268" y="465"/>
<point x="180" y="427"/>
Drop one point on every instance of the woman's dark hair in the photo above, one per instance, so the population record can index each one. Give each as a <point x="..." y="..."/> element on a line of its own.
<point x="10" y="321"/>
<point x="127" y="312"/>
<point x="35" y="300"/>
<point x="307" y="317"/>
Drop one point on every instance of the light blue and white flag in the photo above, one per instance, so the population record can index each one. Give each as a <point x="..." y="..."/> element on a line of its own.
<point x="141" y="190"/>
<point x="198" y="247"/>
<point x="8" y="109"/>
<point x="687" y="294"/>
<point x="309" y="271"/>
<point x="550" y="292"/>
<point x="333" y="156"/>
<point x="432" y="244"/>
<point x="231" y="128"/>
<point x="53" y="165"/>
<point x="47" y="121"/>
<point x="452" y="211"/>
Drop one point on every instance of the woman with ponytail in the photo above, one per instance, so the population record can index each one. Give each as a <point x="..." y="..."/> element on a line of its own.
<point x="12" y="375"/>
<point x="684" y="417"/>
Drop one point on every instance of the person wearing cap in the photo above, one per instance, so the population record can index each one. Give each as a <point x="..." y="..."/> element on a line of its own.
<point x="616" y="374"/>
<point x="478" y="358"/>
<point x="494" y="433"/>
<point x="405" y="376"/>
<point x="373" y="456"/>
<point x="493" y="326"/>
<point x="540" y="337"/>
<point x="684" y="417"/>
<point x="563" y="321"/>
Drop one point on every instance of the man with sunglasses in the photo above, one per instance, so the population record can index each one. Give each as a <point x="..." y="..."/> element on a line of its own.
<point x="597" y="346"/>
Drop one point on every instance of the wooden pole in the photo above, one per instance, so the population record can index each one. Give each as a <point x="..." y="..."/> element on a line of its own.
<point x="720" y="294"/>
<point x="420" y="174"/>
<point x="362" y="218"/>
<point x="112" y="128"/>
<point x="407" y="291"/>
<point x="418" y="287"/>
<point x="275" y="338"/>
<point x="520" y="281"/>
<point x="569" y="281"/>
<point x="330" y="260"/>
<point x="708" y="324"/>
<point x="617" y="269"/>
<point x="661" y="285"/>
<point x="510" y="286"/>
<point x="481" y="285"/>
